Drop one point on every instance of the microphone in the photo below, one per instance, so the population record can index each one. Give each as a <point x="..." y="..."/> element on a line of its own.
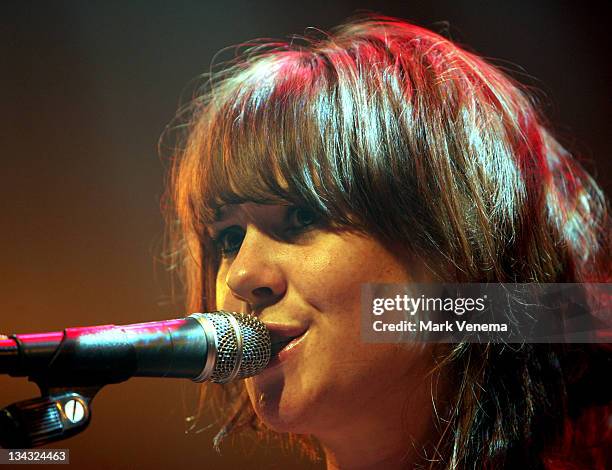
<point x="71" y="366"/>
<point x="218" y="347"/>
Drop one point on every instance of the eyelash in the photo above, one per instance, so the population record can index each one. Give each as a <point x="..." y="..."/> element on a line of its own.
<point x="220" y="241"/>
<point x="295" y="228"/>
<point x="296" y="225"/>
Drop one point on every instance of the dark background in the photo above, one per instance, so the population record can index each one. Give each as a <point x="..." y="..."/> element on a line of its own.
<point x="86" y="89"/>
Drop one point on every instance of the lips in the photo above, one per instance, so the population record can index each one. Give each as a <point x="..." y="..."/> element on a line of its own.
<point x="278" y="346"/>
<point x="282" y="336"/>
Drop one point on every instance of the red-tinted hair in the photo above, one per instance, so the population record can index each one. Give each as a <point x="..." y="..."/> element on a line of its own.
<point x="393" y="130"/>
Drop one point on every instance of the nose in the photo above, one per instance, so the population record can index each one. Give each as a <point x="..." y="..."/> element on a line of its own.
<point x="255" y="275"/>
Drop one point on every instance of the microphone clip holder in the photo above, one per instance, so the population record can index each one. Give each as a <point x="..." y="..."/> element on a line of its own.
<point x="61" y="412"/>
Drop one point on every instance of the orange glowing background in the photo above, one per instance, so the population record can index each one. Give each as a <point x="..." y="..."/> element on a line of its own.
<point x="87" y="89"/>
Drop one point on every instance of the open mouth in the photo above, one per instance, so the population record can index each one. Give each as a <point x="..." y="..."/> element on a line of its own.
<point x="283" y="339"/>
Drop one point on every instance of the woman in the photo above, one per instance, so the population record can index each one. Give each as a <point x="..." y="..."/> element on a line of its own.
<point x="385" y="153"/>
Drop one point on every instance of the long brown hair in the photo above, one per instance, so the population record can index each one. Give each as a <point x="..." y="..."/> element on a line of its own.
<point x="390" y="129"/>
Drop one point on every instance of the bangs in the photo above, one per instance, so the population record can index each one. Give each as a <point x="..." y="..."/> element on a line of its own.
<point x="265" y="132"/>
<point x="379" y="131"/>
<point x="291" y="127"/>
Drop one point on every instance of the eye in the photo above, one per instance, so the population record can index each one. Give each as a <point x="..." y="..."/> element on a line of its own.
<point x="228" y="242"/>
<point x="301" y="217"/>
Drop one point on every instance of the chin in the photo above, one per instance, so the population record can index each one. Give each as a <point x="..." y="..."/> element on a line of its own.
<point x="278" y="408"/>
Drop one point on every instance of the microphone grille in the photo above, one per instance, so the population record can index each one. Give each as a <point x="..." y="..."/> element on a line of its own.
<point x="243" y="346"/>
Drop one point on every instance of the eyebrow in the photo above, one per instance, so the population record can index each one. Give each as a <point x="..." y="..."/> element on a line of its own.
<point x="223" y="212"/>
<point x="219" y="215"/>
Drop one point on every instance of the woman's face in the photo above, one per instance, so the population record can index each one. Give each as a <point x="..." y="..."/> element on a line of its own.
<point x="303" y="281"/>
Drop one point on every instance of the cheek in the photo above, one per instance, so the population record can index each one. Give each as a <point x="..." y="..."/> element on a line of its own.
<point x="331" y="279"/>
<point x="221" y="290"/>
<point x="224" y="299"/>
<point x="322" y="280"/>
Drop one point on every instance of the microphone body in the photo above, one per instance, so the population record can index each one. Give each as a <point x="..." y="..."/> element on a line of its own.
<point x="217" y="346"/>
<point x="70" y="366"/>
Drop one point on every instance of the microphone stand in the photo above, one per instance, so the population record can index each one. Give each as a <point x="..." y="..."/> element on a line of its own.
<point x="64" y="407"/>
<point x="59" y="413"/>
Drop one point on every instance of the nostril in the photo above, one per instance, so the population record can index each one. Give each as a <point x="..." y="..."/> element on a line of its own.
<point x="262" y="292"/>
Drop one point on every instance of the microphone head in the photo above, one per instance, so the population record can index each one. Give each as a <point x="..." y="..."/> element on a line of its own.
<point x="239" y="346"/>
